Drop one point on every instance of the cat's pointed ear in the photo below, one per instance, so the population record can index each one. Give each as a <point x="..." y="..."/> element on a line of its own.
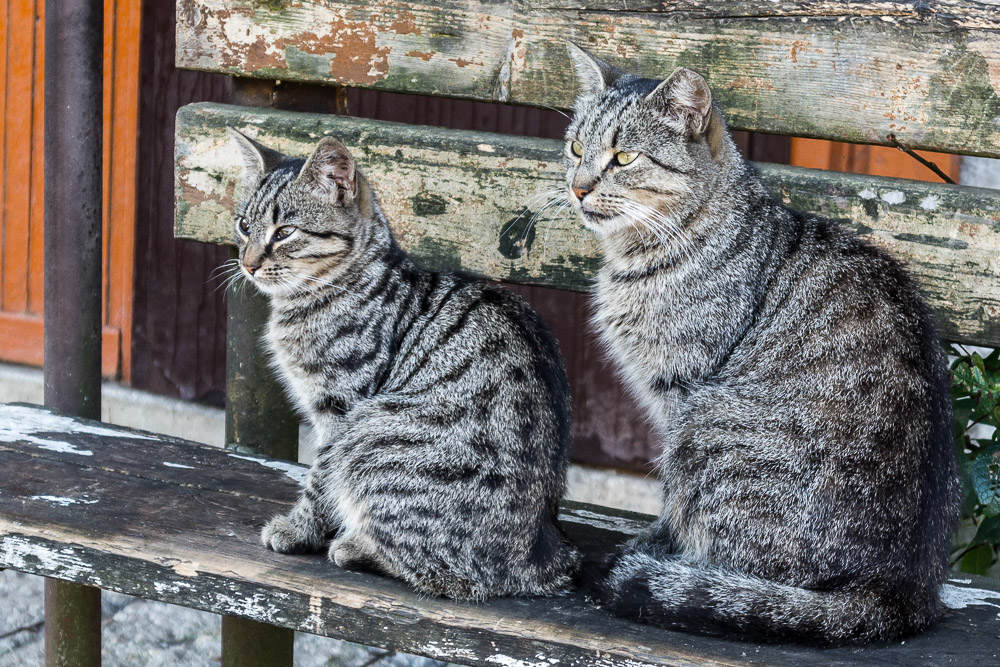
<point x="684" y="95"/>
<point x="593" y="74"/>
<point x="330" y="172"/>
<point x="257" y="158"/>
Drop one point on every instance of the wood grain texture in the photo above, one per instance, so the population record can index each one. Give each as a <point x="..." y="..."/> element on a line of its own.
<point x="177" y="522"/>
<point x="457" y="201"/>
<point x="927" y="73"/>
<point x="22" y="169"/>
<point x="179" y="333"/>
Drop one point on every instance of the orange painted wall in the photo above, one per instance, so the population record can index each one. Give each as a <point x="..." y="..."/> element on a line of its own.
<point x="21" y="180"/>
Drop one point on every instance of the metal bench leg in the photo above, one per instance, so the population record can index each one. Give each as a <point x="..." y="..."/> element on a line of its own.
<point x="72" y="624"/>
<point x="258" y="421"/>
<point x="74" y="57"/>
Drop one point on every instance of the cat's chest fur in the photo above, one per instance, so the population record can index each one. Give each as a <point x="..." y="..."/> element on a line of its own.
<point x="329" y="360"/>
<point x="667" y="330"/>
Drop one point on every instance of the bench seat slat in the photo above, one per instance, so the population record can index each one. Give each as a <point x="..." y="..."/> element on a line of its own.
<point x="131" y="525"/>
<point x="927" y="73"/>
<point x="457" y="200"/>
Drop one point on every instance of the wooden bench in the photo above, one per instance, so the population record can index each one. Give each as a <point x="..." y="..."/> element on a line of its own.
<point x="170" y="520"/>
<point x="178" y="522"/>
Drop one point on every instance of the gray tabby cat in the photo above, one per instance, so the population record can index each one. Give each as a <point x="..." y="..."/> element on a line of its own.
<point x="440" y="402"/>
<point x="793" y="374"/>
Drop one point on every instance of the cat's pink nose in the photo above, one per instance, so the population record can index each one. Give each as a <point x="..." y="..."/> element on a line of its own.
<point x="251" y="268"/>
<point x="580" y="193"/>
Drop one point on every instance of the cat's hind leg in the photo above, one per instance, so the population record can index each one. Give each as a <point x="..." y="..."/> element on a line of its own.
<point x="353" y="553"/>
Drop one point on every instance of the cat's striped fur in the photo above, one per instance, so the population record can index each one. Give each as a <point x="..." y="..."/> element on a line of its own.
<point x="792" y="371"/>
<point x="440" y="402"/>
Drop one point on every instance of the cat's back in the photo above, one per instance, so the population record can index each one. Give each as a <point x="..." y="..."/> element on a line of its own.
<point x="839" y="304"/>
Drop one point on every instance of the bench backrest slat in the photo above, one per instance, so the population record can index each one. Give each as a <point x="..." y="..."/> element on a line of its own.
<point x="457" y="200"/>
<point x="925" y="73"/>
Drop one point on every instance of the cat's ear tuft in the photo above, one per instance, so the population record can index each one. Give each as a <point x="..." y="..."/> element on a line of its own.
<point x="684" y="95"/>
<point x="258" y="159"/>
<point x="593" y="74"/>
<point x="330" y="172"/>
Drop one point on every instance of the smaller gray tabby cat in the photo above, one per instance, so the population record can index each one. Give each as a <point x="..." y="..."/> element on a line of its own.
<point x="792" y="371"/>
<point x="440" y="402"/>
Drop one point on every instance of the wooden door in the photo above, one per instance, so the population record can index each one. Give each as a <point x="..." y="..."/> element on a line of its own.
<point x="22" y="67"/>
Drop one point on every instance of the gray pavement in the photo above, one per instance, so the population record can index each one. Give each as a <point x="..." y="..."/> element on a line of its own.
<point x="139" y="632"/>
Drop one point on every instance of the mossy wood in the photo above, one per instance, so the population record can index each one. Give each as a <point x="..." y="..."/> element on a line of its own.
<point x="178" y="522"/>
<point x="463" y="200"/>
<point x="926" y="73"/>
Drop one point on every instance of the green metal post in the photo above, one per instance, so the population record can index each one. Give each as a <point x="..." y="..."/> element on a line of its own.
<point x="258" y="421"/>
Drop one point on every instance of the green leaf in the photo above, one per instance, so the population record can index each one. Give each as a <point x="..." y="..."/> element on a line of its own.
<point x="989" y="531"/>
<point x="962" y="414"/>
<point x="979" y="560"/>
<point x="977" y="361"/>
<point x="986" y="479"/>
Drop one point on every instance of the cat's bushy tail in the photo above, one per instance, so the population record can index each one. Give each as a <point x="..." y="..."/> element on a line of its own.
<point x="680" y="594"/>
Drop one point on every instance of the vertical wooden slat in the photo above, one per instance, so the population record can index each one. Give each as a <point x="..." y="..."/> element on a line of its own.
<point x="122" y="108"/>
<point x="4" y="41"/>
<point x="22" y="60"/>
<point x="17" y="158"/>
<point x="107" y="167"/>
<point x="36" y="227"/>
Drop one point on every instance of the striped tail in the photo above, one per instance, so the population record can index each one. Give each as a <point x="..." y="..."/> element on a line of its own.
<point x="680" y="594"/>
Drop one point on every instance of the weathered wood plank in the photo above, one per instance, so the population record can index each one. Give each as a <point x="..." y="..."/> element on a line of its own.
<point x="131" y="525"/>
<point x="457" y="200"/>
<point x="926" y="73"/>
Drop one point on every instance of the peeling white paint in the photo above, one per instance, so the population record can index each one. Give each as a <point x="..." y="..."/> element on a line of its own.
<point x="164" y="588"/>
<point x="929" y="203"/>
<point x="293" y="470"/>
<point x="486" y="148"/>
<point x="955" y="597"/>
<point x="867" y="194"/>
<point x="256" y="608"/>
<point x="19" y="553"/>
<point x="894" y="197"/>
<point x="315" y="619"/>
<point x="451" y="652"/>
<point x="507" y="661"/>
<point x="20" y="423"/>
<point x="621" y="524"/>
<point x="63" y="502"/>
<point x="177" y="465"/>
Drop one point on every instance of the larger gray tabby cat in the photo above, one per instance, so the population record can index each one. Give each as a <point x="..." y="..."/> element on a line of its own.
<point x="792" y="371"/>
<point x="440" y="402"/>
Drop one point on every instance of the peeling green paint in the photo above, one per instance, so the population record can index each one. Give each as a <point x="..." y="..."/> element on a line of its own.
<point x="951" y="245"/>
<point x="426" y="203"/>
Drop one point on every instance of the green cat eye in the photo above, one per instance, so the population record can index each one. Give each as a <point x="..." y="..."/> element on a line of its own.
<point x="577" y="148"/>
<point x="622" y="158"/>
<point x="282" y="233"/>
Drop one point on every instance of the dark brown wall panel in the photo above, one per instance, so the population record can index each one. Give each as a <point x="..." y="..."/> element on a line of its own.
<point x="179" y="318"/>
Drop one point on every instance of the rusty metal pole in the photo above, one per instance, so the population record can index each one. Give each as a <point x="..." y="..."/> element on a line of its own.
<point x="74" y="58"/>
<point x="259" y="420"/>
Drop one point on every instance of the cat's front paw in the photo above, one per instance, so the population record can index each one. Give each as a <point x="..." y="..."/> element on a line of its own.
<point x="282" y="535"/>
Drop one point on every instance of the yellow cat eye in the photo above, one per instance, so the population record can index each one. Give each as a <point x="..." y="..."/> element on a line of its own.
<point x="577" y="148"/>
<point x="283" y="233"/>
<point x="622" y="158"/>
